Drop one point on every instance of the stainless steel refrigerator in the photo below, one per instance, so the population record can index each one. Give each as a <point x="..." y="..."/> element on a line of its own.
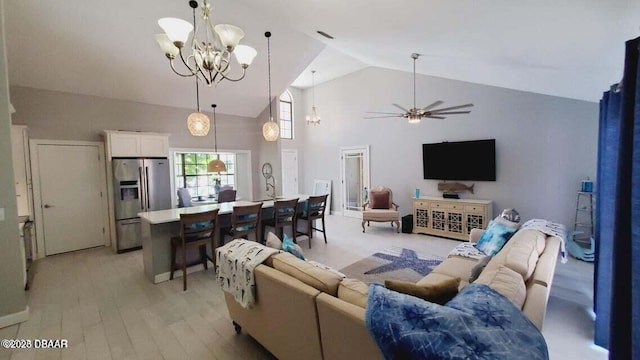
<point x="139" y="185"/>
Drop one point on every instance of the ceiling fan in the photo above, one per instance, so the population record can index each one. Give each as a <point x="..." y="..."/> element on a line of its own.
<point x="414" y="115"/>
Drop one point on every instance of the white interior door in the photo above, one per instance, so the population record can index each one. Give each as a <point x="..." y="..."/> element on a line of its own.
<point x="71" y="184"/>
<point x="289" y="172"/>
<point x="355" y="179"/>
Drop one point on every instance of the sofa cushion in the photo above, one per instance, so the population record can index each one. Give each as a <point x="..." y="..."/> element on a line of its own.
<point x="314" y="276"/>
<point x="381" y="215"/>
<point x="435" y="278"/>
<point x="507" y="282"/>
<point x="494" y="238"/>
<point x="522" y="256"/>
<point x="354" y="292"/>
<point x="379" y="199"/>
<point x="439" y="293"/>
<point x="478" y="268"/>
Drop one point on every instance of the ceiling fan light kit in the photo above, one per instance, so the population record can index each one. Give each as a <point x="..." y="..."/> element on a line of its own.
<point x="210" y="58"/>
<point x="415" y="114"/>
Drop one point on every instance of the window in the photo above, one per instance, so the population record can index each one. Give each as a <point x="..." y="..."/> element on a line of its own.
<point x="191" y="172"/>
<point x="286" y="115"/>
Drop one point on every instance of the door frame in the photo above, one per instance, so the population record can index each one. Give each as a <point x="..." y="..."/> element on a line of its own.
<point x="37" y="196"/>
<point x="293" y="151"/>
<point x="367" y="176"/>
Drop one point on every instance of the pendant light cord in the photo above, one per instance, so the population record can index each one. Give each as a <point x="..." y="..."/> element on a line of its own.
<point x="197" y="87"/>
<point x="313" y="85"/>
<point x="268" y="35"/>
<point x="215" y="132"/>
<point x="414" y="81"/>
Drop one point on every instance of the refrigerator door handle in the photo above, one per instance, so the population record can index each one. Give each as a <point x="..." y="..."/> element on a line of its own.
<point x="141" y="190"/>
<point x="146" y="186"/>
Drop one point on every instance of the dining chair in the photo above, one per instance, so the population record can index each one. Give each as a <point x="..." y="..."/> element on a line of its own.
<point x="184" y="198"/>
<point x="226" y="196"/>
<point x="245" y="220"/>
<point x="314" y="210"/>
<point x="196" y="230"/>
<point x="284" y="214"/>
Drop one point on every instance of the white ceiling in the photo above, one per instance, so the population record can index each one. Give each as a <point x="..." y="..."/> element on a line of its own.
<point x="573" y="48"/>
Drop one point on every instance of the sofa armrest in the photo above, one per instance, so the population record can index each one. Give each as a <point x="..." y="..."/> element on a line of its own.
<point x="339" y="321"/>
<point x="475" y="235"/>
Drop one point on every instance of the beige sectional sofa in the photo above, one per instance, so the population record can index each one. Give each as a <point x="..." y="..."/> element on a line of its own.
<point x="303" y="311"/>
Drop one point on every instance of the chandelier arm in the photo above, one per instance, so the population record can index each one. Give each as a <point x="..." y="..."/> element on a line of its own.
<point x="178" y="73"/>
<point x="225" y="77"/>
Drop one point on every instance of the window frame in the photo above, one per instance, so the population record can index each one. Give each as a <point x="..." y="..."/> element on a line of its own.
<point x="180" y="176"/>
<point x="281" y="122"/>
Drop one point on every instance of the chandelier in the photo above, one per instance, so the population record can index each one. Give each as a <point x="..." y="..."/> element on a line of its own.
<point x="270" y="129"/>
<point x="314" y="119"/>
<point x="210" y="58"/>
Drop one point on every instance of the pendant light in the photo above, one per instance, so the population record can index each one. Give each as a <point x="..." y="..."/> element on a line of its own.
<point x="197" y="122"/>
<point x="216" y="165"/>
<point x="314" y="119"/>
<point x="270" y="129"/>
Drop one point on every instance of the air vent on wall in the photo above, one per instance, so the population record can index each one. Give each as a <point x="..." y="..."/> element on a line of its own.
<point x="325" y="34"/>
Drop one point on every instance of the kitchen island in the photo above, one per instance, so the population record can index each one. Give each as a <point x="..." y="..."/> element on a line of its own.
<point x="158" y="227"/>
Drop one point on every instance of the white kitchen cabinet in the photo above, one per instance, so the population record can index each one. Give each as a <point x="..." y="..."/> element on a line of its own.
<point x="20" y="152"/>
<point x="452" y="218"/>
<point x="135" y="144"/>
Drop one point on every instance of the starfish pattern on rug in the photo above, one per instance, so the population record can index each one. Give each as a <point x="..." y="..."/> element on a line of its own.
<point x="408" y="259"/>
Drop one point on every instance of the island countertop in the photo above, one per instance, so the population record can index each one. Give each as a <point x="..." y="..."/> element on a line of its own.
<point x="171" y="215"/>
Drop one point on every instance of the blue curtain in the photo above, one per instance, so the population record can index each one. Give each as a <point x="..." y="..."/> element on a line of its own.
<point x="617" y="267"/>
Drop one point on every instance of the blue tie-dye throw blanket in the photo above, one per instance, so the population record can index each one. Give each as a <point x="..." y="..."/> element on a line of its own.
<point x="478" y="323"/>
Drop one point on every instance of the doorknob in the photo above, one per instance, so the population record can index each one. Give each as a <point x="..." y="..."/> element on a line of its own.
<point x="46" y="206"/>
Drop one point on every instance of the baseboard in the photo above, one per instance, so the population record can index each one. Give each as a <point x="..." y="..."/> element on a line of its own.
<point x="14" y="318"/>
<point x="178" y="273"/>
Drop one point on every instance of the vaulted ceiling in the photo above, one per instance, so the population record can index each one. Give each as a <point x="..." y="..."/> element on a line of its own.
<point x="573" y="48"/>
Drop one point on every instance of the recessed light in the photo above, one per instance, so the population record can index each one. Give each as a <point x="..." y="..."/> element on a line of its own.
<point x="325" y="34"/>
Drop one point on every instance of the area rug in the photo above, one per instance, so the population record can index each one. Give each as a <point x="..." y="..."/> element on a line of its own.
<point x="395" y="264"/>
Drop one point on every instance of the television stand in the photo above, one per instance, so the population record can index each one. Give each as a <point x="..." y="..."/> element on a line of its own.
<point x="451" y="218"/>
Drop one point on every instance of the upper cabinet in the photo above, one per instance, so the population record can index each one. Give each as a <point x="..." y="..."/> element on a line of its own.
<point x="136" y="144"/>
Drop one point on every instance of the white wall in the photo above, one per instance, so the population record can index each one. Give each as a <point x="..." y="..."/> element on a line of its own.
<point x="13" y="305"/>
<point x="544" y="145"/>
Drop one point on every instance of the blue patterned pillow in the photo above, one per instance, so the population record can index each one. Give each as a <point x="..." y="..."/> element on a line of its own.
<point x="289" y="246"/>
<point x="494" y="238"/>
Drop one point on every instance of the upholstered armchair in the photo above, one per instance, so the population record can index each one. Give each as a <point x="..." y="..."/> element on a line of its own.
<point x="380" y="208"/>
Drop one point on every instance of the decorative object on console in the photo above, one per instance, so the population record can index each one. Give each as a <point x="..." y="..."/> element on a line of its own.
<point x="197" y="122"/>
<point x="454" y="187"/>
<point x="270" y="129"/>
<point x="414" y="115"/>
<point x="313" y="119"/>
<point x="510" y="215"/>
<point x="210" y="58"/>
<point x="216" y="165"/>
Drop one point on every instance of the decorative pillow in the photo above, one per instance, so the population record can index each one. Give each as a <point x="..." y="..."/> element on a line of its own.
<point x="289" y="246"/>
<point x="494" y="238"/>
<point x="379" y="200"/>
<point x="273" y="241"/>
<point x="439" y="293"/>
<point x="476" y="270"/>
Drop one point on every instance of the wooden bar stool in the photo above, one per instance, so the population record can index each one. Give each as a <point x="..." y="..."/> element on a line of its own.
<point x="196" y="230"/>
<point x="246" y="220"/>
<point x="284" y="214"/>
<point x="314" y="210"/>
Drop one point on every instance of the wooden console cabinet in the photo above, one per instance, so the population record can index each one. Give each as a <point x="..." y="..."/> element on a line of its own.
<point x="452" y="218"/>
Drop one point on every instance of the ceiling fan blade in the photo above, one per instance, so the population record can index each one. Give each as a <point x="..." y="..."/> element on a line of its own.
<point x="378" y="112"/>
<point x="435" y="117"/>
<point x="437" y="103"/>
<point x="382" y="117"/>
<point x="450" y="112"/>
<point x="452" y="108"/>
<point x="400" y="107"/>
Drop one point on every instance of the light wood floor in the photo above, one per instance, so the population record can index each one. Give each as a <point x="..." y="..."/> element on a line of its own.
<point x="106" y="308"/>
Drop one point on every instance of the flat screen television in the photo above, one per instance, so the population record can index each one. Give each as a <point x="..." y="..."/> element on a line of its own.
<point x="461" y="160"/>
